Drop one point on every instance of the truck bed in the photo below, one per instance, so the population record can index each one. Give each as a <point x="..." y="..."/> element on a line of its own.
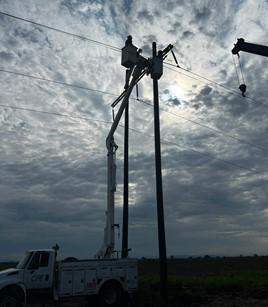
<point x="85" y="277"/>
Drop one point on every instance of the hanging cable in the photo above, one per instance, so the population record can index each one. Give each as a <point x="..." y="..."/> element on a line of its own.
<point x="212" y="82"/>
<point x="235" y="66"/>
<point x="242" y="86"/>
<point x="241" y="71"/>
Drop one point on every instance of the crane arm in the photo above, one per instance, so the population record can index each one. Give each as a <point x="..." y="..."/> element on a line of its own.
<point x="139" y="66"/>
<point x="107" y="247"/>
<point x="241" y="45"/>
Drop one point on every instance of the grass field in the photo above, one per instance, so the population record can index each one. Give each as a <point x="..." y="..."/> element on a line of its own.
<point x="6" y="265"/>
<point x="208" y="282"/>
<point x="234" y="282"/>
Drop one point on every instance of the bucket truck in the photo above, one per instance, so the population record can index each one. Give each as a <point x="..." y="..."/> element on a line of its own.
<point x="138" y="66"/>
<point x="40" y="277"/>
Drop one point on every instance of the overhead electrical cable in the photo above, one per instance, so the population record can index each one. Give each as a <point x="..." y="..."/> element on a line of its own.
<point x="236" y="71"/>
<point x="164" y="141"/>
<point x="119" y="50"/>
<point x="138" y="100"/>
<point x="62" y="31"/>
<point x="202" y="77"/>
<point x="215" y="130"/>
<point x="55" y="113"/>
<point x="56" y="82"/>
<point x="230" y="90"/>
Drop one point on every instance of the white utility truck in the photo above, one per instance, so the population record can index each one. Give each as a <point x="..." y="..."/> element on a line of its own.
<point x="40" y="276"/>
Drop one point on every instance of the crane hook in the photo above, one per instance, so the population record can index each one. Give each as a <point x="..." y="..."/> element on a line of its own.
<point x="243" y="89"/>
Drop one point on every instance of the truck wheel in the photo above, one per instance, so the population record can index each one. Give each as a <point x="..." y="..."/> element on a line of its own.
<point x="110" y="294"/>
<point x="70" y="259"/>
<point x="10" y="299"/>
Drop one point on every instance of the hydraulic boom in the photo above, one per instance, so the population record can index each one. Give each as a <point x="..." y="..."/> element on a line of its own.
<point x="137" y="66"/>
<point x="138" y="71"/>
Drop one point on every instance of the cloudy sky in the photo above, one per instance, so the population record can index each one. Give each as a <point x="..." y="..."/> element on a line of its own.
<point x="214" y="149"/>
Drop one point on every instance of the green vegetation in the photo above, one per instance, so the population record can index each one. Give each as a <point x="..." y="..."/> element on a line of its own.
<point x="220" y="282"/>
<point x="196" y="291"/>
<point x="201" y="282"/>
<point x="7" y="265"/>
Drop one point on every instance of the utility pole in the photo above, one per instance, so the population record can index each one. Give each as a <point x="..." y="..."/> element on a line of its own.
<point x="137" y="66"/>
<point x="157" y="70"/>
<point x="125" y="201"/>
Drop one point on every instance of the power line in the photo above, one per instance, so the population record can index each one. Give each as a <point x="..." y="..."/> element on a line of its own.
<point x="215" y="130"/>
<point x="143" y="101"/>
<point x="131" y="129"/>
<point x="56" y="82"/>
<point x="55" y="113"/>
<point x="107" y="93"/>
<point x="107" y="122"/>
<point x="199" y="152"/>
<point x="205" y="78"/>
<point x="119" y="50"/>
<point x="216" y="158"/>
<point x="62" y="31"/>
<point x="231" y="91"/>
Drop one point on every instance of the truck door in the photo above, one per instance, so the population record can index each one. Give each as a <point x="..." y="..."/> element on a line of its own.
<point x="39" y="272"/>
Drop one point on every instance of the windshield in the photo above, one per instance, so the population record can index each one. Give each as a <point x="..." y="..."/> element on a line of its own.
<point x="24" y="260"/>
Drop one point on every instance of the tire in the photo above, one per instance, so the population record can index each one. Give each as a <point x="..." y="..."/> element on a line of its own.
<point x="70" y="259"/>
<point x="10" y="299"/>
<point x="110" y="295"/>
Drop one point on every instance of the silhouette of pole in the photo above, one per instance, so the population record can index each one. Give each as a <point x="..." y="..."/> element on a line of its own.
<point x="159" y="189"/>
<point x="125" y="197"/>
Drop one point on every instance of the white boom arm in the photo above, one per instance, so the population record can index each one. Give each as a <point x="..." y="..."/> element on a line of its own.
<point x="108" y="242"/>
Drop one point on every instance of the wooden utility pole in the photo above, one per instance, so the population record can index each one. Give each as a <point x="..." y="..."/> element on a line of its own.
<point x="158" y="173"/>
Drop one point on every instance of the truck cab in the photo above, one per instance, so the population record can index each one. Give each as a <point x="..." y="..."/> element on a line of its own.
<point x="34" y="276"/>
<point x="39" y="278"/>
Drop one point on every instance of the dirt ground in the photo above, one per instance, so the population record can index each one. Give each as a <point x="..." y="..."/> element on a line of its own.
<point x="207" y="300"/>
<point x="222" y="301"/>
<point x="235" y="302"/>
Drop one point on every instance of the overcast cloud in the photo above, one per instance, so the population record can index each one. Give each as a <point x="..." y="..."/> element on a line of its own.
<point x="53" y="168"/>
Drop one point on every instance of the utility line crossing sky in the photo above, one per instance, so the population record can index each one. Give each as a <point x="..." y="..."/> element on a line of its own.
<point x="56" y="89"/>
